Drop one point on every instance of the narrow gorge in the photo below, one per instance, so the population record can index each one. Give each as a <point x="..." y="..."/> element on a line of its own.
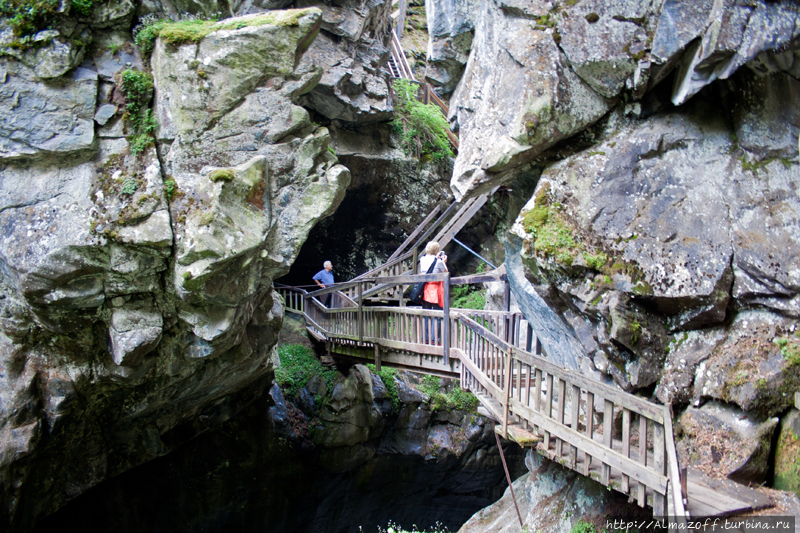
<point x="167" y="165"/>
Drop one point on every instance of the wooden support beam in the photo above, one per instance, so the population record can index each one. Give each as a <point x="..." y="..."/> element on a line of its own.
<point x="507" y="391"/>
<point x="360" y="311"/>
<point x="446" y="325"/>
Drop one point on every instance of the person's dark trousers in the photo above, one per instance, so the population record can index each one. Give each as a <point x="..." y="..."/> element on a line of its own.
<point x="328" y="300"/>
<point x="428" y="305"/>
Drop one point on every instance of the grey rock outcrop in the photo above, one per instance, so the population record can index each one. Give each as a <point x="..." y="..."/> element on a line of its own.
<point x="550" y="498"/>
<point x="673" y="212"/>
<point x="137" y="307"/>
<point x="725" y="441"/>
<point x="352" y="51"/>
<point x="506" y="110"/>
<point x="35" y="125"/>
<point x="450" y="31"/>
<point x="516" y="100"/>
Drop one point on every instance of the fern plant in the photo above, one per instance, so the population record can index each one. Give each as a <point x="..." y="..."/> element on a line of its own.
<point x="422" y="128"/>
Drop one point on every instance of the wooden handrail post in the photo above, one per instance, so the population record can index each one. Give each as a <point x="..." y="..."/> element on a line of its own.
<point x="360" y="312"/>
<point x="507" y="391"/>
<point x="446" y="325"/>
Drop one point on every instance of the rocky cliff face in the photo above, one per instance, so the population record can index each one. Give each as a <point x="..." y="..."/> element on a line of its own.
<point x="662" y="237"/>
<point x="137" y="308"/>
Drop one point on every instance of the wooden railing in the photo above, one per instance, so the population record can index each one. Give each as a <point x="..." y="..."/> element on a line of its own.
<point x="573" y="415"/>
<point x="499" y="358"/>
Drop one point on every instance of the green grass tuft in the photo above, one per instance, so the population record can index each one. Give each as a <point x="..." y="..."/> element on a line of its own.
<point x="298" y="366"/>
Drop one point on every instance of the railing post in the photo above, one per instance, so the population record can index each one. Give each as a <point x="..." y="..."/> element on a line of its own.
<point x="446" y="325"/>
<point x="361" y="312"/>
<point x="507" y="391"/>
<point x="416" y="261"/>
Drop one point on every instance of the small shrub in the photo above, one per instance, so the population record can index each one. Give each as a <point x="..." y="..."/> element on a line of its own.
<point x="582" y="526"/>
<point x="458" y="398"/>
<point x="137" y="86"/>
<point x="27" y="17"/>
<point x="84" y="7"/>
<point x="129" y="187"/>
<point x="169" y="188"/>
<point x="465" y="297"/>
<point x="790" y="349"/>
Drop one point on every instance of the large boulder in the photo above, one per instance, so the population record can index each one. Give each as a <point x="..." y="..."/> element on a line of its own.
<point x="352" y="50"/>
<point x="506" y="108"/>
<point x="45" y="119"/>
<point x="658" y="229"/>
<point x="540" y="73"/>
<point x="724" y="441"/>
<point x="550" y="498"/>
<point x="450" y="30"/>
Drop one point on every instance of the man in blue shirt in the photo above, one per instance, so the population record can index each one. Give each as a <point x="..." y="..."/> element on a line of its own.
<point x="324" y="278"/>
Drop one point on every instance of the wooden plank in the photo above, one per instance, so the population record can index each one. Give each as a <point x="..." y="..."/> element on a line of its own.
<point x="608" y="420"/>
<point x="548" y="407"/>
<point x="537" y="393"/>
<point x="660" y="466"/>
<point x="576" y="409"/>
<point x="483" y="379"/>
<point x="452" y="207"/>
<point x="606" y="454"/>
<point x="507" y="391"/>
<point x="677" y="502"/>
<point x="626" y="444"/>
<point x="587" y="460"/>
<point x="446" y="316"/>
<point x="722" y="497"/>
<point x="562" y="401"/>
<point x="642" y="457"/>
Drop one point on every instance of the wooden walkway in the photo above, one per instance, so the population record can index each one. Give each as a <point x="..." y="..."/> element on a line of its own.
<point x="620" y="440"/>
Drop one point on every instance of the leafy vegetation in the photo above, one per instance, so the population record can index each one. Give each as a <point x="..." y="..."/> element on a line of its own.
<point x="388" y="375"/>
<point x="467" y="297"/>
<point x="422" y="128"/>
<point x="129" y="187"/>
<point x="298" y="366"/>
<point x="170" y="188"/>
<point x="458" y="398"/>
<point x="137" y="86"/>
<point x="790" y="349"/>
<point x="27" y="17"/>
<point x="552" y="236"/>
<point x="582" y="526"/>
